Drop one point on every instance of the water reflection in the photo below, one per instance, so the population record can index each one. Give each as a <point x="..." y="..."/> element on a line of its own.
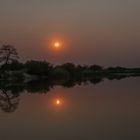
<point x="9" y="92"/>
<point x="8" y="101"/>
<point x="110" y="109"/>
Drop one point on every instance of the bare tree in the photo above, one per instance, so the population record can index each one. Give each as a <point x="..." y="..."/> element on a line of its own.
<point x="8" y="53"/>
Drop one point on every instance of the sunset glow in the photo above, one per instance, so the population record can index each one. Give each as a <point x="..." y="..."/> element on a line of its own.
<point x="57" y="45"/>
<point x="70" y="69"/>
<point x="58" y="102"/>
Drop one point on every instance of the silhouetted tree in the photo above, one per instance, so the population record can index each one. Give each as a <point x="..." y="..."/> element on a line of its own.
<point x="38" y="68"/>
<point x="59" y="73"/>
<point x="15" y="65"/>
<point x="8" y="54"/>
<point x="116" y="70"/>
<point x="96" y="68"/>
<point x="70" y="67"/>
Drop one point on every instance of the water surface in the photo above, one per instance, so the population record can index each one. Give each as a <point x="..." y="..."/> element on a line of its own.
<point x="107" y="110"/>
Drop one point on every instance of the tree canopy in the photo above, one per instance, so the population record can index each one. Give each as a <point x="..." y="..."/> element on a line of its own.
<point x="8" y="54"/>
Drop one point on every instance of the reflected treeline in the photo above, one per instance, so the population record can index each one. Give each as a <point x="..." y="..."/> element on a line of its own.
<point x="10" y="92"/>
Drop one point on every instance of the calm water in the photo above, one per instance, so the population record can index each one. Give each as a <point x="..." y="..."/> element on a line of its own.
<point x="109" y="110"/>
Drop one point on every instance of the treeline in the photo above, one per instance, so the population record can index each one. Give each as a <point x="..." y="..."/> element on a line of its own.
<point x="11" y="68"/>
<point x="43" y="69"/>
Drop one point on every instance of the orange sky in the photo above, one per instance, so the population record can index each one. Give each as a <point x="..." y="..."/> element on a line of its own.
<point x="104" y="32"/>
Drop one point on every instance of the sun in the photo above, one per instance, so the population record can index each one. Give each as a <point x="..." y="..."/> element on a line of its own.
<point x="57" y="45"/>
<point x="58" y="102"/>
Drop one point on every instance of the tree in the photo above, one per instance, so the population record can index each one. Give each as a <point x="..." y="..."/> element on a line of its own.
<point x="70" y="67"/>
<point x="8" y="54"/>
<point x="96" y="68"/>
<point x="15" y="65"/>
<point x="38" y="68"/>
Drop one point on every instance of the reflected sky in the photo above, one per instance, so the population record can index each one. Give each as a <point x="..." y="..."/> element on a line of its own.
<point x="107" y="110"/>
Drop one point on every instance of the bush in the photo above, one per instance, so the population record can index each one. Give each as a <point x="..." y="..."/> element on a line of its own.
<point x="39" y="68"/>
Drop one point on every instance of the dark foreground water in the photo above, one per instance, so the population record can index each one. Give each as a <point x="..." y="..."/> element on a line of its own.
<point x="109" y="110"/>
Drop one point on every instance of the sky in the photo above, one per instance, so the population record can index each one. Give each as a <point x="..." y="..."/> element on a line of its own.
<point x="104" y="32"/>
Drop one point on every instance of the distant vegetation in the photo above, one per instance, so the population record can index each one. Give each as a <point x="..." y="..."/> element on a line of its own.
<point x="13" y="70"/>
